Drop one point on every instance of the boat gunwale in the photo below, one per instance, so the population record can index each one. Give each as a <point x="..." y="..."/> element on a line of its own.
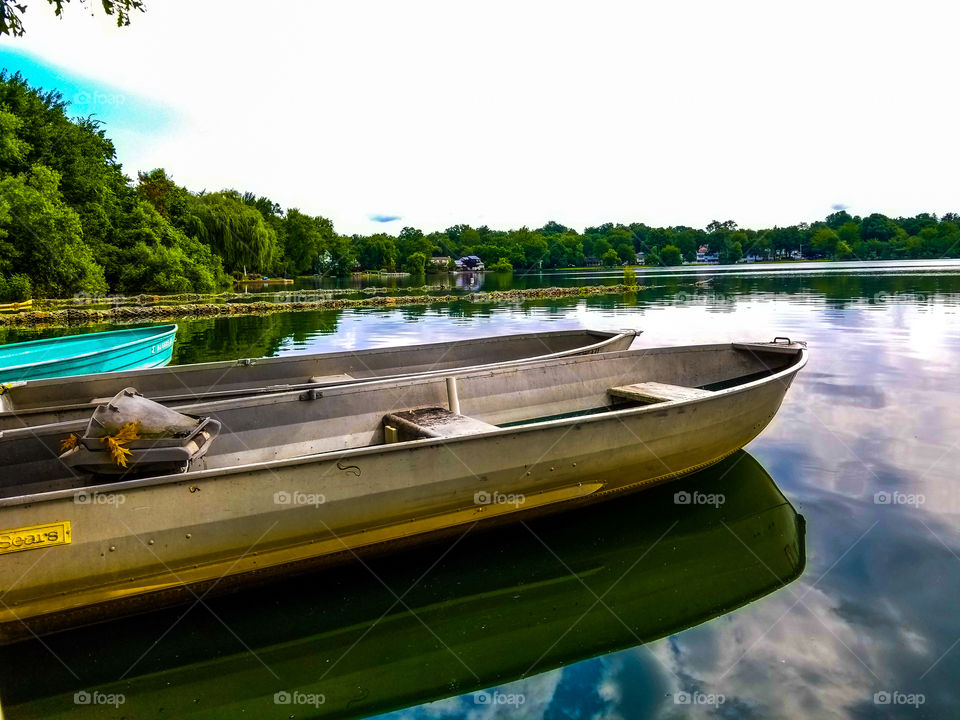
<point x="171" y="330"/>
<point x="797" y="364"/>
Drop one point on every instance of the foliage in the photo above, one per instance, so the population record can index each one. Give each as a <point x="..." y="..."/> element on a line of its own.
<point x="610" y="258"/>
<point x="41" y="237"/>
<point x="11" y="12"/>
<point x="416" y="263"/>
<point x="15" y="288"/>
<point x="501" y="266"/>
<point x="843" y="251"/>
<point x="236" y="231"/>
<point x="629" y="276"/>
<point x="71" y="221"/>
<point x="670" y="255"/>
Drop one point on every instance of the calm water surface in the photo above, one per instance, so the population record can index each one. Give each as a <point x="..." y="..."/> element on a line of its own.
<point x="827" y="606"/>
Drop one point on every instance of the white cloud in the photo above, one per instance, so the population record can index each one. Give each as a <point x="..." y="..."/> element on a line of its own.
<point x="508" y="114"/>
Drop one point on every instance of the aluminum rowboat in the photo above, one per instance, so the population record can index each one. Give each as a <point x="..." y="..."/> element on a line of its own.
<point x="298" y="476"/>
<point x="42" y="402"/>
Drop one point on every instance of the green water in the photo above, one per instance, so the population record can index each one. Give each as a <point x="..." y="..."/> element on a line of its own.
<point x="864" y="448"/>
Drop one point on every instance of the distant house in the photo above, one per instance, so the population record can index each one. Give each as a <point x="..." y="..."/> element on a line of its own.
<point x="469" y="263"/>
<point x="641" y="257"/>
<point x="441" y="261"/>
<point x="705" y="256"/>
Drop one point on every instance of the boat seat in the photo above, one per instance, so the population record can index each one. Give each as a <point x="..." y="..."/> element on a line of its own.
<point x="431" y="422"/>
<point x="329" y="379"/>
<point x="655" y="392"/>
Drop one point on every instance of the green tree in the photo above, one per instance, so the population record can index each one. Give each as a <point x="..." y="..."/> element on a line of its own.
<point x="13" y="149"/>
<point x="304" y="239"/>
<point x="15" y="288"/>
<point x="169" y="199"/>
<point x="41" y="237"/>
<point x="610" y="258"/>
<point x="416" y="264"/>
<point x="337" y="257"/>
<point x="501" y="266"/>
<point x="235" y="231"/>
<point x="824" y="241"/>
<point x="670" y="255"/>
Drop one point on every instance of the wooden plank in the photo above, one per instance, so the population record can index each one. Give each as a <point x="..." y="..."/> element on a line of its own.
<point x="654" y="392"/>
<point x="434" y="422"/>
<point x="791" y="349"/>
<point x="327" y="379"/>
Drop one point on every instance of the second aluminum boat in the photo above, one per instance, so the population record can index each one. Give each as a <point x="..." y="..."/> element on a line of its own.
<point x="27" y="404"/>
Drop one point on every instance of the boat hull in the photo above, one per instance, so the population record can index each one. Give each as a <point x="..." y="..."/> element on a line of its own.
<point x="147" y="540"/>
<point x="661" y="568"/>
<point x="121" y="350"/>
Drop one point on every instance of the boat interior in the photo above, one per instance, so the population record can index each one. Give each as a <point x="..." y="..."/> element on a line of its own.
<point x="287" y="425"/>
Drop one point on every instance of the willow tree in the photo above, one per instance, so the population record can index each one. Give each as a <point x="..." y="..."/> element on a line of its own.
<point x="235" y="231"/>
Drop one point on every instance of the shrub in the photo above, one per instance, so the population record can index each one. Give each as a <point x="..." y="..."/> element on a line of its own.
<point x="610" y="258"/>
<point x="15" y="288"/>
<point x="670" y="255"/>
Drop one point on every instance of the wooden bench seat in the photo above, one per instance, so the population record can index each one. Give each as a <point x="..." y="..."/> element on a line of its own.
<point x="328" y="379"/>
<point x="432" y="422"/>
<point x="655" y="392"/>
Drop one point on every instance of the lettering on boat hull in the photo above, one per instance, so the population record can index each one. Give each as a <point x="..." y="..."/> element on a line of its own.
<point x="35" y="537"/>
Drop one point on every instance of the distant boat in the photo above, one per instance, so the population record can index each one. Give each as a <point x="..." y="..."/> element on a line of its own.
<point x="91" y="353"/>
<point x="48" y="401"/>
<point x="145" y="502"/>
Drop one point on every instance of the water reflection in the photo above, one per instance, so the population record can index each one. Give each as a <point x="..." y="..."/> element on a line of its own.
<point x="458" y="616"/>
<point x="875" y="411"/>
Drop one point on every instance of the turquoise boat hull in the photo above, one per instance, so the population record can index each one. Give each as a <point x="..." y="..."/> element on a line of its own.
<point x="83" y="354"/>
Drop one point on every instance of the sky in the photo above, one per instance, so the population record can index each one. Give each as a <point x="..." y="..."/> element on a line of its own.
<point x="380" y="115"/>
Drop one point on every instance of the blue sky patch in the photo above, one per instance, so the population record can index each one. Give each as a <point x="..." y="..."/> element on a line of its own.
<point x="385" y="218"/>
<point x="127" y="117"/>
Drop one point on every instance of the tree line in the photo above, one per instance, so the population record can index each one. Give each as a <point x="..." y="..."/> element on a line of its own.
<point x="72" y="222"/>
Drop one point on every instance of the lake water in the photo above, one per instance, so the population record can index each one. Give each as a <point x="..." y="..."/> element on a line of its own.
<point x="825" y="584"/>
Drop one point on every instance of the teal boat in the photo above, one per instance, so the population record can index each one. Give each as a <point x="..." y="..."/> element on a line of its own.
<point x="100" y="352"/>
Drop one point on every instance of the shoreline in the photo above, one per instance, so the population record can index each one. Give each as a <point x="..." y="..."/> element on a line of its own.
<point x="72" y="316"/>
